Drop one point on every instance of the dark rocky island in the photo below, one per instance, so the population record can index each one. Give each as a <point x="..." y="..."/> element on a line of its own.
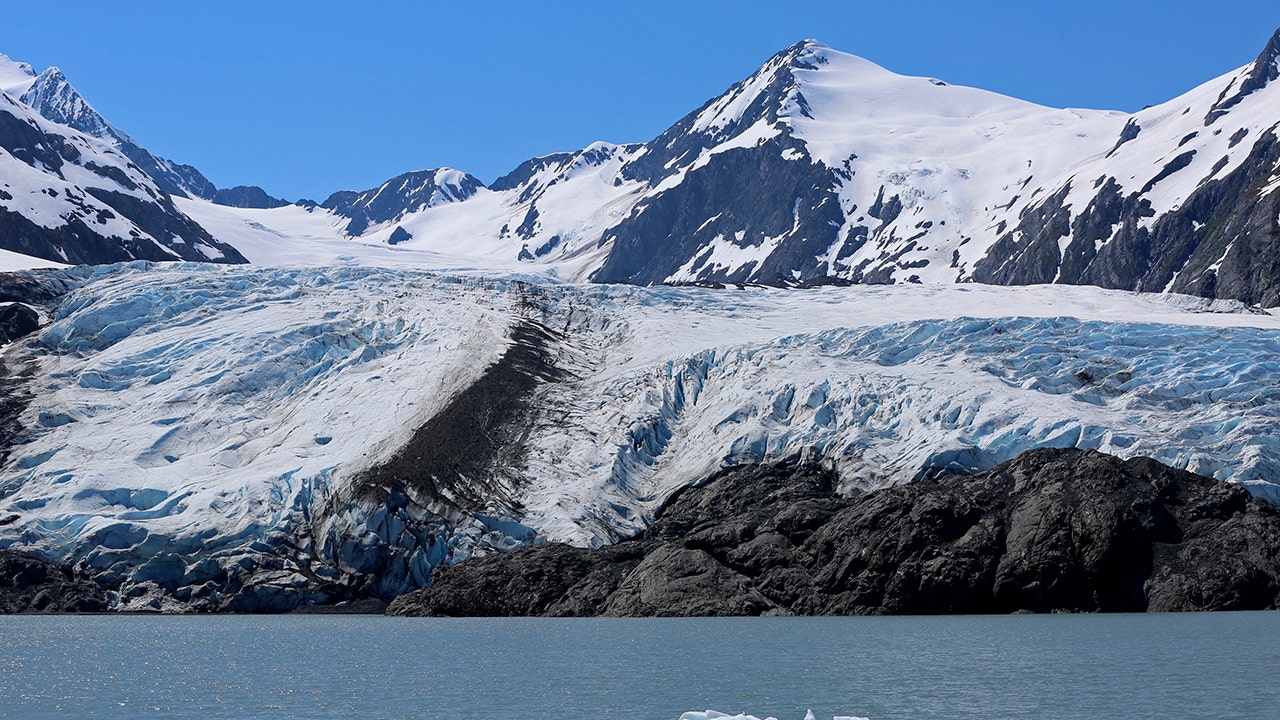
<point x="1052" y="531"/>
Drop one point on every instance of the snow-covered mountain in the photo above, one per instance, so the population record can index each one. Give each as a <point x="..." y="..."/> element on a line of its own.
<point x="239" y="437"/>
<point x="67" y="197"/>
<point x="823" y="167"/>
<point x="400" y="196"/>
<point x="53" y="96"/>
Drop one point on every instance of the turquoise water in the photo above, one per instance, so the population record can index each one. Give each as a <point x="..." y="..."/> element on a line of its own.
<point x="1212" y="665"/>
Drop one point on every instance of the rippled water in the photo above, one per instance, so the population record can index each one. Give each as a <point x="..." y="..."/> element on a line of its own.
<point x="1212" y="665"/>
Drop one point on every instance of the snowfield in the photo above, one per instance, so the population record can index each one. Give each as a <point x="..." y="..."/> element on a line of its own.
<point x="188" y="422"/>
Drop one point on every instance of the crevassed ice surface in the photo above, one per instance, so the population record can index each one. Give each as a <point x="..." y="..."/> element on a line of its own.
<point x="188" y="419"/>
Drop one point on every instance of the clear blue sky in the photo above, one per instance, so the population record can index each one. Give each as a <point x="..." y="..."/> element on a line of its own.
<point x="304" y="98"/>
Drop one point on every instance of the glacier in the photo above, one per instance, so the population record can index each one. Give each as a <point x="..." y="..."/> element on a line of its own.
<point x="219" y="438"/>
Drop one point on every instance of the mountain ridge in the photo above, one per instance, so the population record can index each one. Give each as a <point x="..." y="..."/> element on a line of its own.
<point x="67" y="197"/>
<point x="825" y="167"/>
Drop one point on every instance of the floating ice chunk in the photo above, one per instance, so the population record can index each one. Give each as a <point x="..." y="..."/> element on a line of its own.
<point x="713" y="715"/>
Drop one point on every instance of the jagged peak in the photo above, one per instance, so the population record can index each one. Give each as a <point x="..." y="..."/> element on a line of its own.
<point x="1257" y="76"/>
<point x="762" y="95"/>
<point x="804" y="49"/>
<point x="53" y="96"/>
<point x="1266" y="68"/>
<point x="52" y="74"/>
<point x="1272" y="52"/>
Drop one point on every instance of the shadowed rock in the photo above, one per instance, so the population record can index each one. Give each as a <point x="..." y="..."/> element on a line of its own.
<point x="29" y="585"/>
<point x="1051" y="531"/>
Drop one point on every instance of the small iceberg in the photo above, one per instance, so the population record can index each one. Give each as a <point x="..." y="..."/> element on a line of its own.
<point x="713" y="715"/>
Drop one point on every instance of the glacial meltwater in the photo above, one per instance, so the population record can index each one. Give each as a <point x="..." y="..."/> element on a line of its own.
<point x="1210" y="665"/>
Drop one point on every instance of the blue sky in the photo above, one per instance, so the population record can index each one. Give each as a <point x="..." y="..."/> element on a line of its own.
<point x="305" y="98"/>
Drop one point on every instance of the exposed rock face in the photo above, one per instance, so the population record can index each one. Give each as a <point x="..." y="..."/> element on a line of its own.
<point x="17" y="320"/>
<point x="400" y="196"/>
<point x="676" y="233"/>
<point x="247" y="196"/>
<point x="1221" y="242"/>
<point x="29" y="585"/>
<point x="1053" y="530"/>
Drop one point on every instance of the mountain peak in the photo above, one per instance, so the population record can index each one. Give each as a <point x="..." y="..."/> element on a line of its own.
<point x="7" y="62"/>
<point x="808" y="54"/>
<point x="1258" y="75"/>
<point x="54" y="97"/>
<point x="1266" y="68"/>
<point x="766" y="94"/>
<point x="400" y="196"/>
<point x="805" y="49"/>
<point x="15" y="77"/>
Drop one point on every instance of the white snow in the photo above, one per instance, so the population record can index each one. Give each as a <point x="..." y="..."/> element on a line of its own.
<point x="15" y="77"/>
<point x="11" y="261"/>
<point x="724" y="253"/>
<point x="48" y="198"/>
<point x="575" y="201"/>
<point x="192" y="406"/>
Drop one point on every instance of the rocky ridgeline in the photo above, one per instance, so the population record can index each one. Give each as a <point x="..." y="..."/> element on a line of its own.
<point x="1053" y="530"/>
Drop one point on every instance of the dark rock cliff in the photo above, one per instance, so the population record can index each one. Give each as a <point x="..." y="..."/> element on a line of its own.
<point x="30" y="585"/>
<point x="1053" y="530"/>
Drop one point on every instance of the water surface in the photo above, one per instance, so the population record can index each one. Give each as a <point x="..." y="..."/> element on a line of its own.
<point x="1186" y="666"/>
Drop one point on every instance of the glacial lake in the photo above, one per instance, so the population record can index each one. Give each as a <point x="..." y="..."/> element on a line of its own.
<point x="1211" y="665"/>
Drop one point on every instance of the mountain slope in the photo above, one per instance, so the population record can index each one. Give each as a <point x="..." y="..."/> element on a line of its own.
<point x="70" y="198"/>
<point x="54" y="97"/>
<point x="823" y="167"/>
<point x="1186" y="202"/>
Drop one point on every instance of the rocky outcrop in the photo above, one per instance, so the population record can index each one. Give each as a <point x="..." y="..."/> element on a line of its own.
<point x="17" y="320"/>
<point x="400" y="196"/>
<point x="29" y="585"/>
<point x="247" y="196"/>
<point x="1052" y="531"/>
